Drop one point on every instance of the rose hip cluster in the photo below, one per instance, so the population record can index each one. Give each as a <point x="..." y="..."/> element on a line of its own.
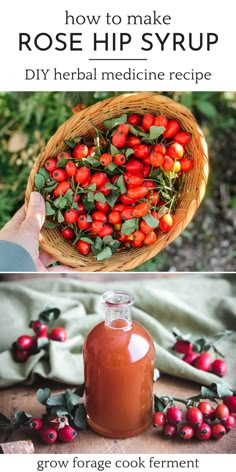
<point x="56" y="428"/>
<point x="26" y="346"/>
<point x="202" y="421"/>
<point x="202" y="361"/>
<point x="64" y="416"/>
<point x="114" y="193"/>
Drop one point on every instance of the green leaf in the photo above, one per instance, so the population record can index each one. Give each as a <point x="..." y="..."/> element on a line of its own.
<point x="98" y="243"/>
<point x="90" y="197"/>
<point x="114" y="246"/>
<point x="159" y="404"/>
<point x="104" y="254"/>
<point x="60" y="202"/>
<point x="162" y="211"/>
<point x="21" y="418"/>
<point x="165" y="195"/>
<point x="114" y="150"/>
<point x="80" y="420"/>
<point x="78" y="139"/>
<point x="51" y="186"/>
<point x="87" y="240"/>
<point x="151" y="221"/>
<point x="129" y="226"/>
<point x="50" y="225"/>
<point x="179" y="335"/>
<point x="206" y="108"/>
<point x="42" y="342"/>
<point x="200" y="345"/>
<point x="88" y="206"/>
<point x="62" y="163"/>
<point x="39" y="181"/>
<point x="128" y="152"/>
<point x="120" y="183"/>
<point x="156" y="131"/>
<point x="57" y="400"/>
<point x="80" y="390"/>
<point x="207" y="393"/>
<point x="92" y="187"/>
<point x="110" y="186"/>
<point x="113" y="122"/>
<point x="69" y="196"/>
<point x="112" y="243"/>
<point x="93" y="161"/>
<point x="49" y="210"/>
<point x="136" y="131"/>
<point x="4" y="421"/>
<point x="58" y="411"/>
<point x="43" y="395"/>
<point x="60" y="217"/>
<point x="71" y="144"/>
<point x="112" y="166"/>
<point x="44" y="173"/>
<point x="71" y="399"/>
<point x="186" y="99"/>
<point x="99" y="197"/>
<point x="89" y="218"/>
<point x="49" y="314"/>
<point x="112" y="197"/>
<point x="223" y="390"/>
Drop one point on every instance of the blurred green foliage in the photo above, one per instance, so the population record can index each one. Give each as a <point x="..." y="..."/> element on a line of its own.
<point x="28" y="120"/>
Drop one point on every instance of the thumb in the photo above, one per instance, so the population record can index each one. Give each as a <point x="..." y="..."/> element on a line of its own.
<point x="35" y="214"/>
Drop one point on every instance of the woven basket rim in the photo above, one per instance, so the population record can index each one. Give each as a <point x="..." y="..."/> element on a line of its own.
<point x="128" y="259"/>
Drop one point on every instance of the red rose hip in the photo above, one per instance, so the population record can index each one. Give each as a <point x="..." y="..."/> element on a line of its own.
<point x="36" y="424"/>
<point x="230" y="401"/>
<point x="218" y="431"/>
<point x="24" y="342"/>
<point x="194" y="417"/>
<point x="48" y="435"/>
<point x="186" y="432"/>
<point x="174" y="415"/>
<point x="182" y="346"/>
<point x="203" y="432"/>
<point x="159" y="418"/>
<point x="67" y="434"/>
<point x="219" y="367"/>
<point x="204" y="361"/>
<point x="58" y="334"/>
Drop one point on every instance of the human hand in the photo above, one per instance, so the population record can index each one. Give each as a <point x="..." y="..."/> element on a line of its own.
<point x="24" y="229"/>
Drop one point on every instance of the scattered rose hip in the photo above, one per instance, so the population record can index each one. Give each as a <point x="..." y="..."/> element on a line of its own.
<point x="26" y="346"/>
<point x="196" y="352"/>
<point x="61" y="421"/>
<point x="136" y="165"/>
<point x="200" y="419"/>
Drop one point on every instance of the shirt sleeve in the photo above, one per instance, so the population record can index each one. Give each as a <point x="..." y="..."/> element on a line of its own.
<point x="14" y="258"/>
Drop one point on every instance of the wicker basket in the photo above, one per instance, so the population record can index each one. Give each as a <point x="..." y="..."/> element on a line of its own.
<point x="191" y="195"/>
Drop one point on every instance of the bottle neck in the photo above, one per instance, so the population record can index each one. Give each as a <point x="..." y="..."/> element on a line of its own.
<point x="118" y="309"/>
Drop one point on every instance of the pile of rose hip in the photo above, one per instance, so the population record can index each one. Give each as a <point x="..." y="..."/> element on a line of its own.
<point x="115" y="192"/>
<point x="64" y="416"/>
<point x="201" y="422"/>
<point x="26" y="346"/>
<point x="57" y="428"/>
<point x="202" y="361"/>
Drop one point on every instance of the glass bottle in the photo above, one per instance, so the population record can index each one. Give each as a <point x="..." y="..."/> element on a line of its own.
<point x="119" y="364"/>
